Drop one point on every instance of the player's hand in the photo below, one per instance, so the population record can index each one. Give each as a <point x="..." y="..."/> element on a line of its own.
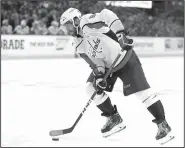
<point x="100" y="85"/>
<point x="125" y="42"/>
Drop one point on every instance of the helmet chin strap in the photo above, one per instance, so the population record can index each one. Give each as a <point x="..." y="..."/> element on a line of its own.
<point x="77" y="30"/>
<point x="77" y="27"/>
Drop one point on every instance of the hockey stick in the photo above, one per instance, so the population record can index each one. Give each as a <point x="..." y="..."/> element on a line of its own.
<point x="54" y="133"/>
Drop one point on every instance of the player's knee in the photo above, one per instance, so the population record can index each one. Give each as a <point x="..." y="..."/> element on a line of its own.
<point x="98" y="99"/>
<point x="147" y="97"/>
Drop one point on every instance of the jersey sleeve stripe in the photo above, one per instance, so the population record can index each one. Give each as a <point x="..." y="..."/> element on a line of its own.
<point x="92" y="24"/>
<point x="113" y="22"/>
<point x="111" y="35"/>
<point x="88" y="60"/>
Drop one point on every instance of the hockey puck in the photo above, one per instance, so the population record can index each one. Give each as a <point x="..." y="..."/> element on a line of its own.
<point x="55" y="139"/>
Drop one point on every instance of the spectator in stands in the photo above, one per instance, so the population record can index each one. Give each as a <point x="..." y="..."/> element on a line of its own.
<point x="54" y="28"/>
<point x="14" y="19"/>
<point x="140" y="22"/>
<point x="6" y="28"/>
<point x="22" y="29"/>
<point x="32" y="18"/>
<point x="35" y="28"/>
<point x="62" y="32"/>
<point x="43" y="30"/>
<point x="39" y="28"/>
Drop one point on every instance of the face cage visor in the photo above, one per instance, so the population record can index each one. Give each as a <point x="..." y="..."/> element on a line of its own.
<point x="68" y="26"/>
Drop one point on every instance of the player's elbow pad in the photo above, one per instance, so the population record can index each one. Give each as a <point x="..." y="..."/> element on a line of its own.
<point x="112" y="20"/>
<point x="116" y="26"/>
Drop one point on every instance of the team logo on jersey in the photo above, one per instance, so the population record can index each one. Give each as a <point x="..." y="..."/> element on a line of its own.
<point x="94" y="48"/>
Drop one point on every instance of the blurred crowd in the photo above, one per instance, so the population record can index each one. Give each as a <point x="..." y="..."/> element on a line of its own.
<point x="42" y="17"/>
<point x="29" y="17"/>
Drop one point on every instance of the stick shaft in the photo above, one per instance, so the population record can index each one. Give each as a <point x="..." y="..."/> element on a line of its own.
<point x="69" y="130"/>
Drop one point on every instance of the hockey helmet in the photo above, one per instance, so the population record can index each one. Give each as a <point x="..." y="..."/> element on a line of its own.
<point x="69" y="15"/>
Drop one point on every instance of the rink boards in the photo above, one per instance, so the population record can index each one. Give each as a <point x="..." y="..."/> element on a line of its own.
<point x="32" y="46"/>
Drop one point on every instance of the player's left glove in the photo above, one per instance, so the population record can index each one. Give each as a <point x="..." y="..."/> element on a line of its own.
<point x="98" y="83"/>
<point x="125" y="42"/>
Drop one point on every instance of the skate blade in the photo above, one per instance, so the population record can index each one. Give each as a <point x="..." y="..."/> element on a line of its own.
<point x="167" y="138"/>
<point x="116" y="129"/>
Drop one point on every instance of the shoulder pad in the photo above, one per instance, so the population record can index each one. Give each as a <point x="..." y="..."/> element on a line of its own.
<point x="89" y="19"/>
<point x="84" y="21"/>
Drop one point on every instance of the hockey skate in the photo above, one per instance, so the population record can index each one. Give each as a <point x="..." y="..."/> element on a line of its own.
<point x="114" y="124"/>
<point x="164" y="133"/>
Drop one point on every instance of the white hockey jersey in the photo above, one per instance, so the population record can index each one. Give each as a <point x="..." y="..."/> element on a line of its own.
<point x="99" y="46"/>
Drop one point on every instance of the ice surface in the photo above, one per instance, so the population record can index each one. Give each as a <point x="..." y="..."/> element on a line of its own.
<point x="40" y="95"/>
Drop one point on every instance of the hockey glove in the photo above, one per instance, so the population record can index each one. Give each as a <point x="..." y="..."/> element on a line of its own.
<point x="125" y="42"/>
<point x="100" y="85"/>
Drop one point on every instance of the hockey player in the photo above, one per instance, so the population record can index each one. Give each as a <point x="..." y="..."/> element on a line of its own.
<point x="98" y="39"/>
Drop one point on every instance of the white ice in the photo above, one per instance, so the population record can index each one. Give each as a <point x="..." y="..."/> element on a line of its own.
<point x="40" y="95"/>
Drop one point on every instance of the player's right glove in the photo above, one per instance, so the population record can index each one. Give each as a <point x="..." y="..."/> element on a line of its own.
<point x="125" y="42"/>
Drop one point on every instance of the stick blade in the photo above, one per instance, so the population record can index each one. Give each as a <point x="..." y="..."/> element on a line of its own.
<point x="56" y="133"/>
<point x="60" y="132"/>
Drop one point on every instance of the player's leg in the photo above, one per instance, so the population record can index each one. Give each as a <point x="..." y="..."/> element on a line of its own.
<point x="135" y="82"/>
<point x="102" y="101"/>
<point x="153" y="104"/>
